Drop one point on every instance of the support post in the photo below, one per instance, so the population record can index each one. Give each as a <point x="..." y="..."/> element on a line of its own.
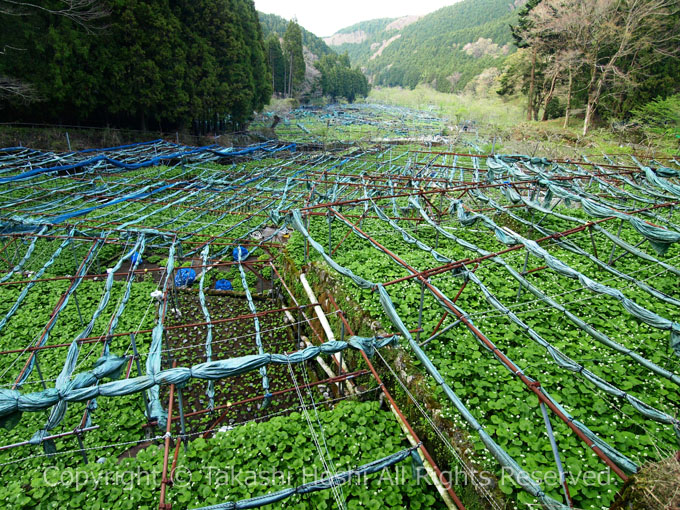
<point x="618" y="234"/>
<point x="299" y="328"/>
<point x="325" y="326"/>
<point x="342" y="339"/>
<point x="80" y="316"/>
<point x="626" y="252"/>
<point x="420" y="310"/>
<point x="524" y="270"/>
<point x="444" y="486"/>
<point x="173" y="291"/>
<point x="79" y="436"/>
<point x="37" y="366"/>
<point x="135" y="353"/>
<point x="556" y="454"/>
<point x="441" y="199"/>
<point x="307" y="241"/>
<point x="75" y="296"/>
<point x="330" y="236"/>
<point x="182" y="423"/>
<point x="592" y="241"/>
<point x="438" y="334"/>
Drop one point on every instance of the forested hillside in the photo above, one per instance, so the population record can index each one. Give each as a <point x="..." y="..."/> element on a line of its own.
<point x="271" y="23"/>
<point x="446" y="48"/>
<point x="160" y="64"/>
<point x="357" y="40"/>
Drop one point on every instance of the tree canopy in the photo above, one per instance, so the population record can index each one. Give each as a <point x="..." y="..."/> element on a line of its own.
<point x="610" y="56"/>
<point x="273" y="24"/>
<point x="277" y="64"/>
<point x="338" y="79"/>
<point x="164" y="64"/>
<point x="293" y="56"/>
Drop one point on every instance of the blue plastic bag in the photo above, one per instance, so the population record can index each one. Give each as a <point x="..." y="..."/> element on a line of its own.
<point x="223" y="285"/>
<point x="184" y="277"/>
<point x="240" y="253"/>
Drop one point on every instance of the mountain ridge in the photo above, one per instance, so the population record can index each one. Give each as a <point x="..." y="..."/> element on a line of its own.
<point x="447" y="48"/>
<point x="273" y="23"/>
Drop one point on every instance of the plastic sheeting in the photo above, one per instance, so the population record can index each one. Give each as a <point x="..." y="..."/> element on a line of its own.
<point x="20" y="265"/>
<point x="295" y="219"/>
<point x="636" y="310"/>
<point x="153" y="360"/>
<point x="660" y="182"/>
<point x="518" y="474"/>
<point x="613" y="238"/>
<point x="567" y="363"/>
<point x="215" y="150"/>
<point x="210" y="392"/>
<point x="258" y="336"/>
<point x="561" y="359"/>
<point x="593" y="332"/>
<point x="14" y="401"/>
<point x="64" y="380"/>
<point x="317" y="485"/>
<point x="34" y="280"/>
<point x="506" y="461"/>
<point x="568" y="245"/>
<point x="64" y="302"/>
<point x="659" y="238"/>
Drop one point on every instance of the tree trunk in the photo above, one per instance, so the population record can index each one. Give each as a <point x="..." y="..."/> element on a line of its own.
<point x="568" y="107"/>
<point x="537" y="102"/>
<point x="284" y="85"/>
<point x="290" y="78"/>
<point x="586" y="120"/>
<point x="593" y="99"/>
<point x="273" y="78"/>
<point x="549" y="97"/>
<point x="530" y="107"/>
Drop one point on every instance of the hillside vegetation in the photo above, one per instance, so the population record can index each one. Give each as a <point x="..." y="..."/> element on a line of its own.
<point x="602" y="58"/>
<point x="446" y="49"/>
<point x="149" y="65"/>
<point x="273" y="24"/>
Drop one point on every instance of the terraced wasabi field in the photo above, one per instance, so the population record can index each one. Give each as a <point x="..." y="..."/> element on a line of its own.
<point x="521" y="311"/>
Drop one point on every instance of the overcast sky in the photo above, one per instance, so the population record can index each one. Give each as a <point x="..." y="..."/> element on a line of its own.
<point x="324" y="17"/>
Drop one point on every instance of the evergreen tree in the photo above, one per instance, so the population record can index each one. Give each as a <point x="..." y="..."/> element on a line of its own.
<point x="450" y="46"/>
<point x="144" y="52"/>
<point x="338" y="79"/>
<point x="161" y="64"/>
<point x="276" y="63"/>
<point x="295" y="61"/>
<point x="273" y="24"/>
<point x="525" y="37"/>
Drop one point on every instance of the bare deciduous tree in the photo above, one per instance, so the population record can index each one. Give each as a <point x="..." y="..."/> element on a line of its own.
<point x="17" y="90"/>
<point x="607" y="39"/>
<point x="82" y="12"/>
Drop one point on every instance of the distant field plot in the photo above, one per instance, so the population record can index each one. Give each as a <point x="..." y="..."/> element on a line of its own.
<point x="356" y="123"/>
<point x="303" y="322"/>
